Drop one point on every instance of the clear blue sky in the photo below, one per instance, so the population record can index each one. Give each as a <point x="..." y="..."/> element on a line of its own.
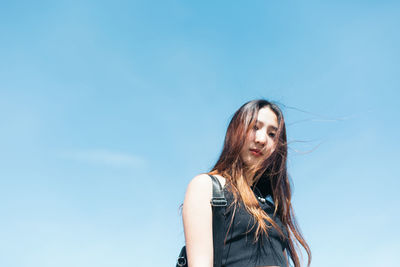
<point x="108" y="109"/>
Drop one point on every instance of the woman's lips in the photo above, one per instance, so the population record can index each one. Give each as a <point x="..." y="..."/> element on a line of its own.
<point x="256" y="152"/>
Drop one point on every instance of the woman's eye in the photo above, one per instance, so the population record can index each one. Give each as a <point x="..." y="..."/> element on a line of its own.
<point x="255" y="128"/>
<point x="272" y="134"/>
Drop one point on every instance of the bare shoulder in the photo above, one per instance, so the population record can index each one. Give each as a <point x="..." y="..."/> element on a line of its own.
<point x="201" y="184"/>
<point x="198" y="195"/>
<point x="203" y="181"/>
<point x="200" y="188"/>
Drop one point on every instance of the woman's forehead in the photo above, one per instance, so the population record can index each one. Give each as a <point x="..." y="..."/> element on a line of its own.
<point x="268" y="117"/>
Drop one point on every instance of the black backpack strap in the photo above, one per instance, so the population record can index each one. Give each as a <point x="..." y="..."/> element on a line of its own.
<point x="218" y="203"/>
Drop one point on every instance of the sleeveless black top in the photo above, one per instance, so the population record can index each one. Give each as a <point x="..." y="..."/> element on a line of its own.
<point x="240" y="249"/>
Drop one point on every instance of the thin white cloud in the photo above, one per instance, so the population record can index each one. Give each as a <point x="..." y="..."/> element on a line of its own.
<point x="105" y="157"/>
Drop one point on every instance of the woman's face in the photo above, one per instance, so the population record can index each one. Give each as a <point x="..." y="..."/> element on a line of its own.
<point x="260" y="142"/>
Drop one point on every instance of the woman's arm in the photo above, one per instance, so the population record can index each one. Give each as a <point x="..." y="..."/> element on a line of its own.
<point x="197" y="222"/>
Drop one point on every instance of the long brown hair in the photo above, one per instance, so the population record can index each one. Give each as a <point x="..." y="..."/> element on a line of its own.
<point x="240" y="177"/>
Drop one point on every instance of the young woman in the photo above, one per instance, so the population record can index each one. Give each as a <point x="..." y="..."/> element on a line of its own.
<point x="251" y="169"/>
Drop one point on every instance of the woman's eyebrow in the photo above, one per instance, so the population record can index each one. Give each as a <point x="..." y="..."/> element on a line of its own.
<point x="271" y="126"/>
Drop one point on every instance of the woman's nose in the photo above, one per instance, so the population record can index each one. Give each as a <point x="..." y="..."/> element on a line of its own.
<point x="261" y="137"/>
